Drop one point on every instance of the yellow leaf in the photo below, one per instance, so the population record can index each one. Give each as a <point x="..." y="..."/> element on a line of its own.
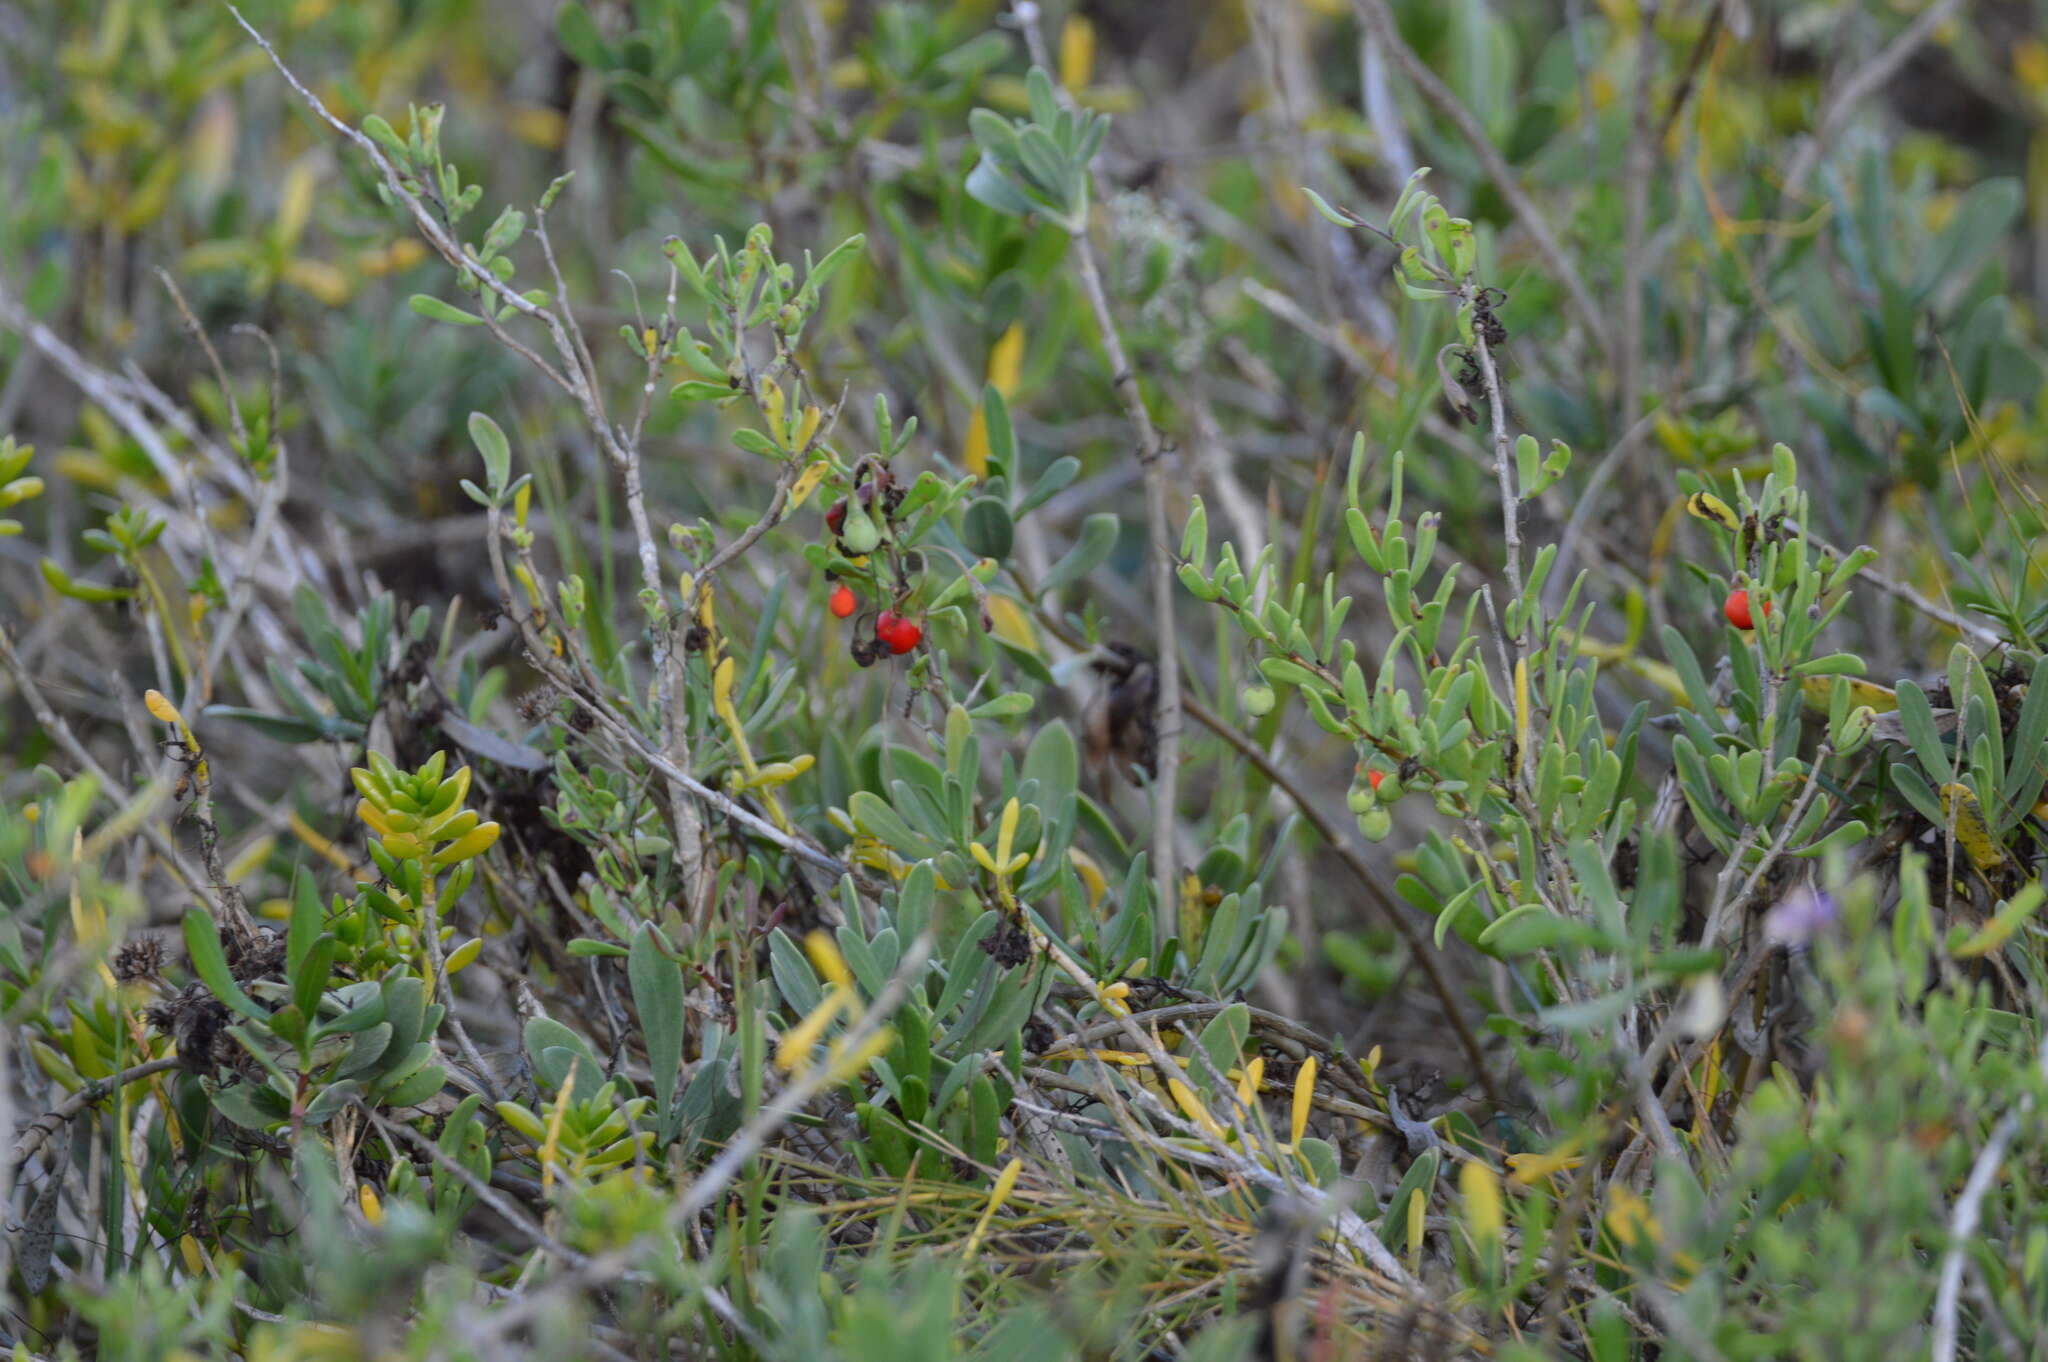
<point x="975" y="453"/>
<point x="1522" y="716"/>
<point x="1418" y="1207"/>
<point x="209" y="152"/>
<point x="1006" y="356"/>
<point x="1077" y="52"/>
<point x="826" y="959"/>
<point x="798" y="1042"/>
<point x="1629" y="1218"/>
<point x="1525" y="1169"/>
<point x="1817" y="691"/>
<point x="373" y="1209"/>
<point x="1006" y="1181"/>
<point x="1480" y="1189"/>
<point x="378" y="821"/>
<point x="536" y="125"/>
<point x="846" y="1063"/>
<point x="1304" y="1094"/>
<point x="1707" y="506"/>
<point x="294" y="203"/>
<point x="320" y="279"/>
<point x="1128" y="1058"/>
<point x="245" y="864"/>
<point x="1249" y="1080"/>
<point x="153" y="700"/>
<point x="800" y="491"/>
<point x="1184" y="1097"/>
<point x="721" y="692"/>
<point x="475" y="842"/>
<point x="1959" y="806"/>
<point x="1012" y="625"/>
<point x="807" y="427"/>
<point x="551" y="1147"/>
<point x="1006" y="830"/>
<point x="2003" y="924"/>
<point x="1092" y="878"/>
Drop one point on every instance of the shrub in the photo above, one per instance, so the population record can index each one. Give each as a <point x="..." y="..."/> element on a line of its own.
<point x="655" y="752"/>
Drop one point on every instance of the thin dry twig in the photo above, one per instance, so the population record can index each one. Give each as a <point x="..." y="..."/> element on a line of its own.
<point x="1964" y="1218"/>
<point x="39" y="1131"/>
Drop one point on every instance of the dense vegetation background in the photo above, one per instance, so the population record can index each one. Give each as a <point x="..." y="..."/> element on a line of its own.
<point x="810" y="679"/>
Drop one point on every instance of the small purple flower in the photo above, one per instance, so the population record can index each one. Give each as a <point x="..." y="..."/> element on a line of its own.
<point x="1800" y="916"/>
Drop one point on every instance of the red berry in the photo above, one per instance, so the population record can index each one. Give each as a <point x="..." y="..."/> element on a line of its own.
<point x="836" y="516"/>
<point x="898" y="633"/>
<point x="1736" y="608"/>
<point x="843" y="602"/>
<point x="1374" y="778"/>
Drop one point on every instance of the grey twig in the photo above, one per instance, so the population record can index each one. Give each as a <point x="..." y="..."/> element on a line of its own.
<point x="50" y="1122"/>
<point x="1963" y="1220"/>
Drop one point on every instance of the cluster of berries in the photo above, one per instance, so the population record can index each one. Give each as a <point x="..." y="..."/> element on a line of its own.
<point x="858" y="535"/>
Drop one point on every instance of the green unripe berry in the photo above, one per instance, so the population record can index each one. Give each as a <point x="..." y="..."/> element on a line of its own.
<point x="1375" y="823"/>
<point x="1257" y="700"/>
<point x="859" y="534"/>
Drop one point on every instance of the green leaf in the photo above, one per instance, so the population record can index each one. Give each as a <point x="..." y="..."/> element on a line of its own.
<point x="1054" y="761"/>
<point x="580" y="38"/>
<point x="657" y="984"/>
<point x="1916" y="718"/>
<point x="1222" y="1040"/>
<point x="1009" y="705"/>
<point x="877" y="817"/>
<point x="415" y="1088"/>
<point x="1056" y="476"/>
<point x="697" y="390"/>
<point x="1098" y="538"/>
<point x="433" y="309"/>
<point x="987" y="530"/>
<point x="1974" y="230"/>
<point x="252" y="1106"/>
<point x="309" y="977"/>
<point x="1338" y="216"/>
<point x="497" y="452"/>
<point x="381" y="132"/>
<point x="64" y="584"/>
<point x="1418" y="1181"/>
<point x="282" y="727"/>
<point x="210" y="963"/>
<point x="1594" y="1012"/>
<point x="986" y="184"/>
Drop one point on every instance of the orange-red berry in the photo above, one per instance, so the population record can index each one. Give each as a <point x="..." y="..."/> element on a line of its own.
<point x="1738" y="611"/>
<point x="842" y="601"/>
<point x="898" y="633"/>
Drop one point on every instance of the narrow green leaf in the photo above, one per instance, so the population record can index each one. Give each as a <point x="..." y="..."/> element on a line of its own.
<point x="210" y="963"/>
<point x="496" y="451"/>
<point x="433" y="309"/>
<point x="657" y="984"/>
